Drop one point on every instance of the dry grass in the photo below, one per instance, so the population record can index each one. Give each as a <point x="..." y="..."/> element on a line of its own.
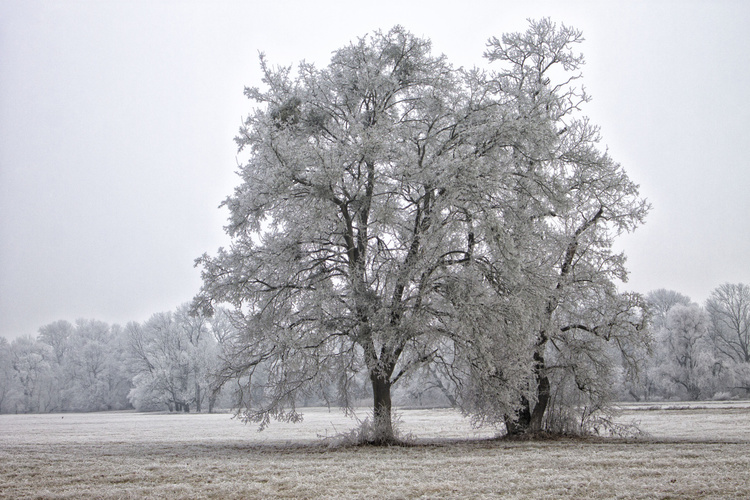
<point x="130" y="455"/>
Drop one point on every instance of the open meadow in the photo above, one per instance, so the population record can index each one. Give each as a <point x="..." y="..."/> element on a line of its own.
<point x="691" y="451"/>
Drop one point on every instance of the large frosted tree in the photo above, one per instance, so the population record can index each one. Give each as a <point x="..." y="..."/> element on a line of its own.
<point x="563" y="202"/>
<point x="395" y="212"/>
<point x="354" y="203"/>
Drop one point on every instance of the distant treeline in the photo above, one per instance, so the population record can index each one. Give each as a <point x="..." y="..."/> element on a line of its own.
<point x="175" y="361"/>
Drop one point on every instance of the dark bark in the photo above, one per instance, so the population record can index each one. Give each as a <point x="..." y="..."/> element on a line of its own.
<point x="381" y="394"/>
<point x="530" y="421"/>
<point x="542" y="395"/>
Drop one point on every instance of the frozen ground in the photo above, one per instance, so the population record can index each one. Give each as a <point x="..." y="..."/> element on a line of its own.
<point x="699" y="451"/>
<point x="705" y="421"/>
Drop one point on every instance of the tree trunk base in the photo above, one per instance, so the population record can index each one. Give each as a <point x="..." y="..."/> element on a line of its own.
<point x="380" y="432"/>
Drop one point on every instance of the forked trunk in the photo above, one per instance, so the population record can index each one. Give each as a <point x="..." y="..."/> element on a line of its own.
<point x="382" y="423"/>
<point x="530" y="421"/>
<point x="542" y="401"/>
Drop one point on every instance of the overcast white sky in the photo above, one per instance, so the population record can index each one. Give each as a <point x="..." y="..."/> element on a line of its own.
<point x="117" y="121"/>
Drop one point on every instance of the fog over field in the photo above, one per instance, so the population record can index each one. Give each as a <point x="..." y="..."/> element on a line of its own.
<point x="117" y="120"/>
<point x="684" y="453"/>
<point x="431" y="250"/>
<point x="406" y="228"/>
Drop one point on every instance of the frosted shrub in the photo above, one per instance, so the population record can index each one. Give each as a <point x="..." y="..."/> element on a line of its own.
<point x="369" y="433"/>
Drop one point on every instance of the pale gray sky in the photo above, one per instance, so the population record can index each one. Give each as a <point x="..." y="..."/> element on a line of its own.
<point x="117" y="121"/>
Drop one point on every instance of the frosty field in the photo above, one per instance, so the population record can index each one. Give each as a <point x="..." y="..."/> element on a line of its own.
<point x="699" y="451"/>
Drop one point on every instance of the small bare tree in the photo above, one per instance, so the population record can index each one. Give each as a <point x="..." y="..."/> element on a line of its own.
<point x="728" y="308"/>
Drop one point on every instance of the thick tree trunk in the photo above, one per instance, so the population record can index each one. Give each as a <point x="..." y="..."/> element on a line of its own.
<point x="530" y="421"/>
<point x="542" y="401"/>
<point x="382" y="423"/>
<point x="542" y="394"/>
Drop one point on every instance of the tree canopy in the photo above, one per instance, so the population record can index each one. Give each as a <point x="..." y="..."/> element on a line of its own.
<point x="397" y="213"/>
